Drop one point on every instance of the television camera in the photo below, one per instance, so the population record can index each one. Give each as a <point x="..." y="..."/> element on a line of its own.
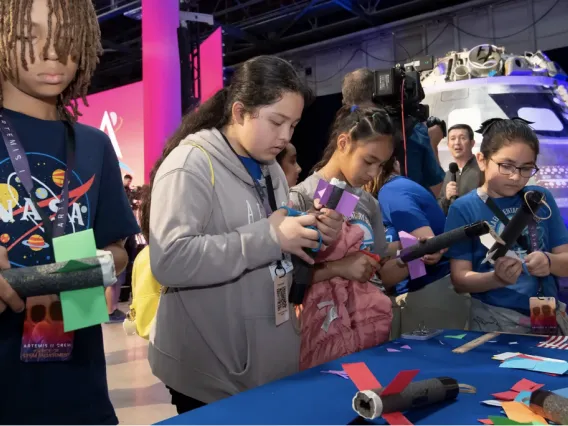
<point x="400" y="92"/>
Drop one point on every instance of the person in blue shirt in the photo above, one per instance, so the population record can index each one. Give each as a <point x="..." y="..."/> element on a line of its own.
<point x="423" y="164"/>
<point x="46" y="69"/>
<point x="501" y="292"/>
<point x="428" y="301"/>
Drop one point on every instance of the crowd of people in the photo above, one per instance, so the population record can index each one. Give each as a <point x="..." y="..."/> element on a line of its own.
<point x="223" y="241"/>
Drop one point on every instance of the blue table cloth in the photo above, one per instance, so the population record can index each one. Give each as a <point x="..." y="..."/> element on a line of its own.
<point x="311" y="397"/>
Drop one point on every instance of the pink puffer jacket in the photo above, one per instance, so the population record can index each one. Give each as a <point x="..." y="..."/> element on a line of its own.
<point x="340" y="317"/>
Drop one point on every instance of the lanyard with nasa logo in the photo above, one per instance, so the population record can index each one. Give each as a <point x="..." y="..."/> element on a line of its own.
<point x="21" y="166"/>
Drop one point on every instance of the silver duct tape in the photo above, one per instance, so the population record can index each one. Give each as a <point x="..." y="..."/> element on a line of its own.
<point x="106" y="259"/>
<point x="339" y="183"/>
<point x="330" y="317"/>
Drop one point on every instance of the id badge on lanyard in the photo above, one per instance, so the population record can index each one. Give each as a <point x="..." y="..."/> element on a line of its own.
<point x="542" y="309"/>
<point x="279" y="270"/>
<point x="43" y="338"/>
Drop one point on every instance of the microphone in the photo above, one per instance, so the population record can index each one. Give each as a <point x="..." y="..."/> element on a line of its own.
<point x="454" y="170"/>
<point x="531" y="202"/>
<point x="55" y="278"/>
<point x="445" y="240"/>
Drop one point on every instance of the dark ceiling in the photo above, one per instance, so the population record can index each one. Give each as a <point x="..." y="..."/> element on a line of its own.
<point x="251" y="27"/>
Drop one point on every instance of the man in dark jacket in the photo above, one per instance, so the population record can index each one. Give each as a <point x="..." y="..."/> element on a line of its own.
<point x="468" y="178"/>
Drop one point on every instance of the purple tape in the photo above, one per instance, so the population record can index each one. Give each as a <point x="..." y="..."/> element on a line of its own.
<point x="347" y="204"/>
<point x="416" y="268"/>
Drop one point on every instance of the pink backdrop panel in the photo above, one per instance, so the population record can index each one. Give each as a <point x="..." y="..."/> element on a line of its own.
<point x="119" y="113"/>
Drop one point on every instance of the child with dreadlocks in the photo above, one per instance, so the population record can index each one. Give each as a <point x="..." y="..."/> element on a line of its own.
<point x="48" y="53"/>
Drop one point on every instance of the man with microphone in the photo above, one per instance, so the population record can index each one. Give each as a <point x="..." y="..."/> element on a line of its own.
<point x="463" y="175"/>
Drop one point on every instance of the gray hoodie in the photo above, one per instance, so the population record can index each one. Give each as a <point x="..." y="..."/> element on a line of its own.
<point x="212" y="245"/>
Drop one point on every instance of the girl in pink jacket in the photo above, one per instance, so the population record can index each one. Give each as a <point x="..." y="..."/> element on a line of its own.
<point x="345" y="309"/>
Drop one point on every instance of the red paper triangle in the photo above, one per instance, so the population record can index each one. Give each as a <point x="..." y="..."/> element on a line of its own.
<point x="400" y="382"/>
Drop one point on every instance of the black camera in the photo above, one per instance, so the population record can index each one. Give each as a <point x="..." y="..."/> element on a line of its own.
<point x="401" y="86"/>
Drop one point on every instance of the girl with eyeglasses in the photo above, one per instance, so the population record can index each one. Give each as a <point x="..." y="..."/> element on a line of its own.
<point x="501" y="293"/>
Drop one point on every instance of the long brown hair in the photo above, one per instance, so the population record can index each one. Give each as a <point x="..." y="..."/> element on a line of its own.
<point x="258" y="82"/>
<point x="76" y="34"/>
<point x="376" y="184"/>
<point x="360" y="123"/>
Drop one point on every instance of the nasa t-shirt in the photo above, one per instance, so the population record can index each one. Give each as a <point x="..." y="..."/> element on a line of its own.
<point x="74" y="391"/>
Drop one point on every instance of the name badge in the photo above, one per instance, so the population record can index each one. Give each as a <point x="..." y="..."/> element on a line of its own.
<point x="281" y="306"/>
<point x="543" y="315"/>
<point x="44" y="339"/>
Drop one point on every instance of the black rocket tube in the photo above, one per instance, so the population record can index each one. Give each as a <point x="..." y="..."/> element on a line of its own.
<point x="303" y="272"/>
<point x="517" y="224"/>
<point x="551" y="406"/>
<point x="443" y="241"/>
<point x="371" y="404"/>
<point x="55" y="278"/>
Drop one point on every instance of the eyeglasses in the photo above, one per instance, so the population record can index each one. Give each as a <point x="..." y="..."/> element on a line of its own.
<point x="510" y="169"/>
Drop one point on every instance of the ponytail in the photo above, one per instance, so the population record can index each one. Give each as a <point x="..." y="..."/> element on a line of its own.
<point x="210" y="115"/>
<point x="360" y="123"/>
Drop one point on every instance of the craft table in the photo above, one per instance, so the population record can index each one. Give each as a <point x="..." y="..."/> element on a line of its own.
<point x="311" y="397"/>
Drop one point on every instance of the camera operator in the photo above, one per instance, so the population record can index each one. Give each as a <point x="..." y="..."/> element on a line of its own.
<point x="437" y="131"/>
<point x="421" y="160"/>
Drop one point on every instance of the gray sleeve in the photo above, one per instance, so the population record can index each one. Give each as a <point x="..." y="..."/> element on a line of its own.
<point x="299" y="200"/>
<point x="381" y="245"/>
<point x="442" y="200"/>
<point x="181" y="254"/>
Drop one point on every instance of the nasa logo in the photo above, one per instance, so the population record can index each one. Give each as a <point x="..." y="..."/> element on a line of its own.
<point x="111" y="123"/>
<point x="110" y="127"/>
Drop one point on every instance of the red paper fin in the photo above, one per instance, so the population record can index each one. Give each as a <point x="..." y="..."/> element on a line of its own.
<point x="526" y="385"/>
<point x="485" y="421"/>
<point x="396" y="418"/>
<point x="400" y="382"/>
<point x="506" y="396"/>
<point x="361" y="376"/>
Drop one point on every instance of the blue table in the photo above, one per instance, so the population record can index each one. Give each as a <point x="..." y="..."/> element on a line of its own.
<point x="311" y="397"/>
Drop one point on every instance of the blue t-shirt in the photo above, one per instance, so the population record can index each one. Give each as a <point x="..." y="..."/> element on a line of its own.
<point x="423" y="168"/>
<point x="72" y="392"/>
<point x="407" y="206"/>
<point x="552" y="233"/>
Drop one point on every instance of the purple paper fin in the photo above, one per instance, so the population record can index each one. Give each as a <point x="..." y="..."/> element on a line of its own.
<point x="416" y="268"/>
<point x="339" y="373"/>
<point x="323" y="191"/>
<point x="347" y="204"/>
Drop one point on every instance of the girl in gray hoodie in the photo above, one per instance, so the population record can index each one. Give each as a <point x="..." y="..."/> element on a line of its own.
<point x="224" y="324"/>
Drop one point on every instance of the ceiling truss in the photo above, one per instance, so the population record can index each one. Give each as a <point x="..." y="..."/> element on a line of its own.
<point x="251" y="27"/>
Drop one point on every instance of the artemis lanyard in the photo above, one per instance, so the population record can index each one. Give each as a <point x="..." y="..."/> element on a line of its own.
<point x="21" y="166"/>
